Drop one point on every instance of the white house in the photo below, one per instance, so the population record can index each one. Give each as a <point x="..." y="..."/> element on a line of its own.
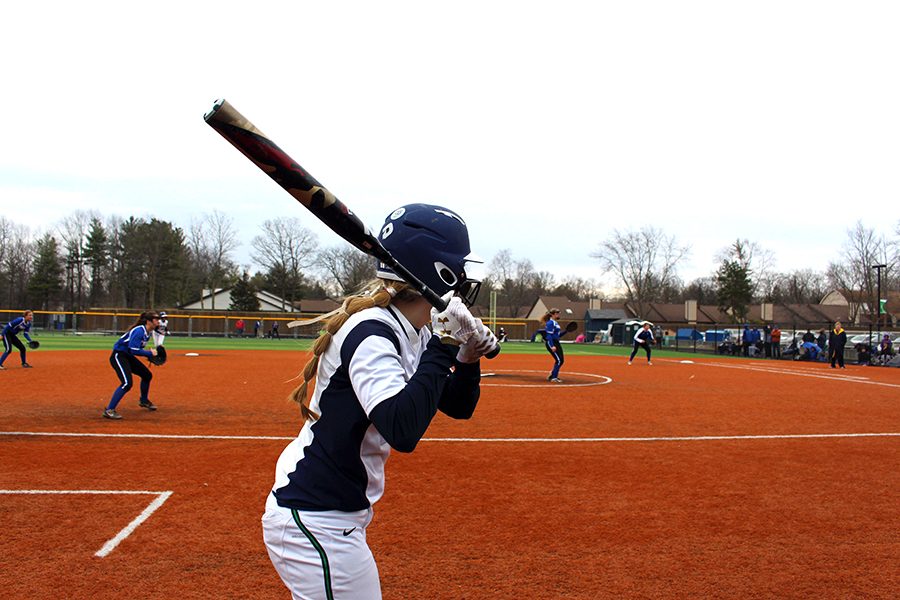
<point x="221" y="300"/>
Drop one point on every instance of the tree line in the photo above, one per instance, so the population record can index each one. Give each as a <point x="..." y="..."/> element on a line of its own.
<point x="91" y="261"/>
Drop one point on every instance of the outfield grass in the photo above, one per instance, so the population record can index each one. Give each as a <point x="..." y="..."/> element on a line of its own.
<point x="105" y="342"/>
<point x="54" y="341"/>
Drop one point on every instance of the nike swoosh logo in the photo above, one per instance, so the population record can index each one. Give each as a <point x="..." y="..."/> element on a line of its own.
<point x="349" y="531"/>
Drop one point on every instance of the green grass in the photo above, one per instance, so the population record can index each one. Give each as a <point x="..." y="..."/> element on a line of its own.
<point x="54" y="341"/>
<point x="105" y="342"/>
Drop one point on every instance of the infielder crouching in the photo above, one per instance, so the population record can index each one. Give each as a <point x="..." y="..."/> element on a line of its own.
<point x="125" y="363"/>
<point x="11" y="340"/>
<point x="643" y="339"/>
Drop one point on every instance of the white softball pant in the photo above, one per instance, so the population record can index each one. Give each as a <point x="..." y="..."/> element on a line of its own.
<point x="321" y="555"/>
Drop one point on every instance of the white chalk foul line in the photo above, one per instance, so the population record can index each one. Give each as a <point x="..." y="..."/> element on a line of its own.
<point x="689" y="438"/>
<point x="111" y="544"/>
<point x="782" y="371"/>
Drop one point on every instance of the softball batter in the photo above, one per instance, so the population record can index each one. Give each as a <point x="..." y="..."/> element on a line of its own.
<point x="381" y="377"/>
<point x="125" y="363"/>
<point x="11" y="339"/>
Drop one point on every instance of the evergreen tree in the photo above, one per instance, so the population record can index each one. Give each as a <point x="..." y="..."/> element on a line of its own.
<point x="243" y="295"/>
<point x="96" y="256"/>
<point x="734" y="289"/>
<point x="46" y="280"/>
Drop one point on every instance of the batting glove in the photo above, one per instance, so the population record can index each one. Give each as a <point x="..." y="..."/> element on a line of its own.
<point x="482" y="342"/>
<point x="455" y="325"/>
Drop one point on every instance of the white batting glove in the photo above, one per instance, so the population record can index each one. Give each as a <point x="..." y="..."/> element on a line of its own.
<point x="482" y="342"/>
<point x="455" y="325"/>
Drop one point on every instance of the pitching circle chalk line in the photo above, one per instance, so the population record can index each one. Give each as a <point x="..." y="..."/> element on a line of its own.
<point x="603" y="380"/>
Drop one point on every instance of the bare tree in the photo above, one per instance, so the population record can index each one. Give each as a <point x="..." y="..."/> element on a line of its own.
<point x="347" y="268"/>
<point x="644" y="262"/>
<point x="756" y="260"/>
<point x="73" y="231"/>
<point x="285" y="249"/>
<point x="854" y="276"/>
<point x="16" y="255"/>
<point x="513" y="280"/>
<point x="211" y="241"/>
<point x="802" y="286"/>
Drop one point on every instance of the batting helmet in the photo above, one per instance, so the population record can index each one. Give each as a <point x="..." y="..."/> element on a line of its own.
<point x="433" y="243"/>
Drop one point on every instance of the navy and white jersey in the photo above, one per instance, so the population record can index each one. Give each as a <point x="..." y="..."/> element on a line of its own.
<point x="163" y="327"/>
<point x="643" y="336"/>
<point x="133" y="342"/>
<point x="379" y="374"/>
<point x="19" y="324"/>
<point x="552" y="332"/>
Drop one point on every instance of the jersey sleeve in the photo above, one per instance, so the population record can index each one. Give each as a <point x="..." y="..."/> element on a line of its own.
<point x="375" y="370"/>
<point x="136" y="343"/>
<point x="403" y="418"/>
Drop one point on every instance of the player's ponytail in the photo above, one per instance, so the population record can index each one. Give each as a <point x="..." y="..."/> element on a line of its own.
<point x="379" y="293"/>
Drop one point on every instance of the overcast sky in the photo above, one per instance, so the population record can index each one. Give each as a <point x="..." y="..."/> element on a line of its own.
<point x="544" y="124"/>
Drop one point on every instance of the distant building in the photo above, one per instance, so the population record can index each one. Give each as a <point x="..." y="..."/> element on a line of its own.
<point x="220" y="299"/>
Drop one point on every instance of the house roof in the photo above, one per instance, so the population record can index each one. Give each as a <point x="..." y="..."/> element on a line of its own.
<point x="318" y="306"/>
<point x="606" y="313"/>
<point x="569" y="309"/>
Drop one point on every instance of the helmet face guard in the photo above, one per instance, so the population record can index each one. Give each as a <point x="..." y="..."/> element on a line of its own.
<point x="433" y="243"/>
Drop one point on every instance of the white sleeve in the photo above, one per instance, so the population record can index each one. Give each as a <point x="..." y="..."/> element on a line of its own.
<point x="637" y="336"/>
<point x="376" y="372"/>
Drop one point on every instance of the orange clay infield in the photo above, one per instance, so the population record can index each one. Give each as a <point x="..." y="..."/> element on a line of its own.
<point x="711" y="478"/>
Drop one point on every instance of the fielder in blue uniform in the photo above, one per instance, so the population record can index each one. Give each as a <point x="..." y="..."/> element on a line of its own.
<point x="124" y="361"/>
<point x="381" y="376"/>
<point x="551" y="333"/>
<point x="643" y="339"/>
<point x="10" y="337"/>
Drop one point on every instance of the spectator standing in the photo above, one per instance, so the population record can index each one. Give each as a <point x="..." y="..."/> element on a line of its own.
<point x="809" y="336"/>
<point x="274" y="333"/>
<point x="837" y="339"/>
<point x="745" y="340"/>
<point x="658" y="336"/>
<point x="256" y="327"/>
<point x="767" y="340"/>
<point x="885" y="349"/>
<point x="776" y="342"/>
<point x="239" y="327"/>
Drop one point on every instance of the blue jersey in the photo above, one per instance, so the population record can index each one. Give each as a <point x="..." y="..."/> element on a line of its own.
<point x="133" y="342"/>
<point x="16" y="325"/>
<point x="552" y="332"/>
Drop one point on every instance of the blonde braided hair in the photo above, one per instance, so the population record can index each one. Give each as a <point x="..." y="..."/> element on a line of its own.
<point x="377" y="293"/>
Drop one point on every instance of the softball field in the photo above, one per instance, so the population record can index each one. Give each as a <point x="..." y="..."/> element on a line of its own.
<point x="696" y="477"/>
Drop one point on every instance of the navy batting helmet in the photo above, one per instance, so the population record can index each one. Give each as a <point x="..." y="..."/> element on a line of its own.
<point x="433" y="243"/>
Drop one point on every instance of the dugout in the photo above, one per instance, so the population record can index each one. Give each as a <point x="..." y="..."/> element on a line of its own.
<point x="688" y="334"/>
<point x="623" y="330"/>
<point x="598" y="321"/>
<point x="717" y="335"/>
